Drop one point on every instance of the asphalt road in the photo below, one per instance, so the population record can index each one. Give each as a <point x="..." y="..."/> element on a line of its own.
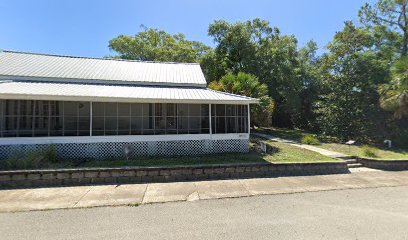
<point x="375" y="213"/>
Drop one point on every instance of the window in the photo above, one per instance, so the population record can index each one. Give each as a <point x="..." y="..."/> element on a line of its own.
<point x="229" y="118"/>
<point x="26" y="118"/>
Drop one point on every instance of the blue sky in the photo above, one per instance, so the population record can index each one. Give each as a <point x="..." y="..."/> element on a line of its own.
<point x="84" y="27"/>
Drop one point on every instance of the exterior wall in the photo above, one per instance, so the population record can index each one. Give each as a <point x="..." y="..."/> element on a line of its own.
<point x="105" y="147"/>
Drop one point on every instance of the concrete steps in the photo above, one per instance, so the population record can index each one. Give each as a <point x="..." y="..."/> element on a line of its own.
<point x="352" y="163"/>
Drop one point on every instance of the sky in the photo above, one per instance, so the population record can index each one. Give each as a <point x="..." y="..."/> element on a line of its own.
<point x="84" y="27"/>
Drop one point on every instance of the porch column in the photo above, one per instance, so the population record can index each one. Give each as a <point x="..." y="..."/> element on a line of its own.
<point x="249" y="120"/>
<point x="209" y="115"/>
<point x="90" y="118"/>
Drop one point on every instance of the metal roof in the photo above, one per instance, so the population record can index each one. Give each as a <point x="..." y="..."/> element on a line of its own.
<point x="38" y="67"/>
<point x="115" y="93"/>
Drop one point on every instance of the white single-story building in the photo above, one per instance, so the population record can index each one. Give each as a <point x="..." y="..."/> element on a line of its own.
<point x="107" y="108"/>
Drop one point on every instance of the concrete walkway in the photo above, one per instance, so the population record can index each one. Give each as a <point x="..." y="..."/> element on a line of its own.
<point x="304" y="146"/>
<point x="135" y="194"/>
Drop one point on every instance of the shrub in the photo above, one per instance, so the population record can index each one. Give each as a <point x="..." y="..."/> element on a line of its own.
<point x="32" y="160"/>
<point x="310" y="140"/>
<point x="368" y="151"/>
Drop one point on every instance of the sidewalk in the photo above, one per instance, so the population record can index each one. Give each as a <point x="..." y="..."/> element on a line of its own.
<point x="135" y="194"/>
<point x="308" y="147"/>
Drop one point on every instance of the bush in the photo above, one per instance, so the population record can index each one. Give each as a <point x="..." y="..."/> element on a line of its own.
<point x="310" y="140"/>
<point x="368" y="151"/>
<point x="32" y="160"/>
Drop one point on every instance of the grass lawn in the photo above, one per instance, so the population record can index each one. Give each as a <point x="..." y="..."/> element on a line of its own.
<point x="332" y="144"/>
<point x="276" y="153"/>
<point x="358" y="151"/>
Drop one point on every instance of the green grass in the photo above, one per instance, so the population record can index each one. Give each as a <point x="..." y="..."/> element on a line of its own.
<point x="289" y="134"/>
<point x="333" y="144"/>
<point x="282" y="152"/>
<point x="276" y="153"/>
<point x="379" y="153"/>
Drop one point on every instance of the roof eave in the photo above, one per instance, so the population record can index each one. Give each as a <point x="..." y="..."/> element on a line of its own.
<point x="121" y="99"/>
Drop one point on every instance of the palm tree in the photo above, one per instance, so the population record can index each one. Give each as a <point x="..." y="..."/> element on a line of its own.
<point x="249" y="85"/>
<point x="395" y="94"/>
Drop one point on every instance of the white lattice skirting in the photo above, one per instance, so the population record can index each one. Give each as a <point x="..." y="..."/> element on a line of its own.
<point x="106" y="150"/>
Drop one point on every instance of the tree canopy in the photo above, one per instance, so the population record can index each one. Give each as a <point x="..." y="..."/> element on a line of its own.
<point x="157" y="45"/>
<point x="357" y="88"/>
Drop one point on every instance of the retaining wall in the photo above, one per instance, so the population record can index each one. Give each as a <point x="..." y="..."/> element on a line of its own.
<point x="392" y="165"/>
<point x="86" y="176"/>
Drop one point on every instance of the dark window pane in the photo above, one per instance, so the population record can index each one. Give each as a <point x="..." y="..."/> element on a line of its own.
<point x="195" y="110"/>
<point x="148" y="109"/>
<point x="160" y="123"/>
<point x="194" y="131"/>
<point x="137" y="109"/>
<point x="136" y="123"/>
<point x="9" y="134"/>
<point x="239" y="110"/>
<point x="70" y="108"/>
<point x="205" y="122"/>
<point x="26" y="123"/>
<point x="56" y="133"/>
<point x="41" y="123"/>
<point x="171" y="110"/>
<point x="213" y="107"/>
<point x="244" y="110"/>
<point x="70" y="123"/>
<point x="98" y="109"/>
<point x="98" y="124"/>
<point x="213" y="124"/>
<point x="11" y="123"/>
<point x="160" y="109"/>
<point x="98" y="133"/>
<point x="231" y="125"/>
<point x="84" y="109"/>
<point x="111" y="109"/>
<point x="111" y="133"/>
<point x="56" y="126"/>
<point x="245" y="125"/>
<point x="26" y="108"/>
<point x="148" y="123"/>
<point x="70" y="133"/>
<point x="148" y="132"/>
<point x="136" y="132"/>
<point x="230" y="110"/>
<point x="25" y="133"/>
<point x="205" y="130"/>
<point x="123" y="109"/>
<point x="205" y="108"/>
<point x="83" y="133"/>
<point x="182" y="131"/>
<point x="220" y="110"/>
<point x="124" y="123"/>
<point x="83" y="123"/>
<point x="171" y="131"/>
<point x="111" y="124"/>
<point x="182" y="123"/>
<point x="40" y="133"/>
<point x="171" y="123"/>
<point x="56" y="108"/>
<point x="159" y="131"/>
<point x="220" y="125"/>
<point x="195" y="123"/>
<point x="183" y="110"/>
<point x="11" y="107"/>
<point x="239" y="125"/>
<point x="1" y="116"/>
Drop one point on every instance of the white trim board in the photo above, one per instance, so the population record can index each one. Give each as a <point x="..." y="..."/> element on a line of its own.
<point x="123" y="138"/>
